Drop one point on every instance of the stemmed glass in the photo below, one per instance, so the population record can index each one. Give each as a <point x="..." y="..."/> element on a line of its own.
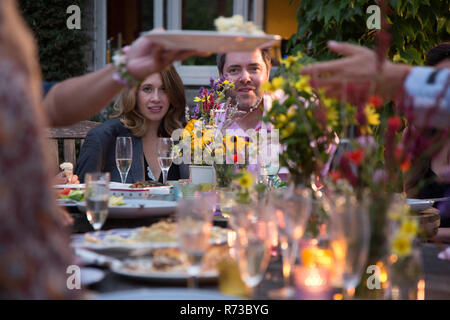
<point x="251" y="224"/>
<point x="292" y="210"/>
<point x="194" y="224"/>
<point x="350" y="229"/>
<point x="97" y="196"/>
<point x="124" y="156"/>
<point x="165" y="155"/>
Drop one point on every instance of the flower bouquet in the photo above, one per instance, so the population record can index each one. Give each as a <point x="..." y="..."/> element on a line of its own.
<point x="202" y="143"/>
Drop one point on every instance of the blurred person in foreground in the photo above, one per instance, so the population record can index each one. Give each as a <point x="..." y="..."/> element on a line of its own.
<point x="34" y="245"/>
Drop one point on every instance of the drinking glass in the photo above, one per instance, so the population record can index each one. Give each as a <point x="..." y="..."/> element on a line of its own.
<point x="124" y="156"/>
<point x="350" y="239"/>
<point x="194" y="224"/>
<point x="165" y="155"/>
<point x="292" y="209"/>
<point x="251" y="224"/>
<point x="97" y="196"/>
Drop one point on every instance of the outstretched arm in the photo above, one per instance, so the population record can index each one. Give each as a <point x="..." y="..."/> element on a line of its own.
<point x="80" y="98"/>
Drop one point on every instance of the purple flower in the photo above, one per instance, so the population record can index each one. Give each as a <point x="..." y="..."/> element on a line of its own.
<point x="196" y="109"/>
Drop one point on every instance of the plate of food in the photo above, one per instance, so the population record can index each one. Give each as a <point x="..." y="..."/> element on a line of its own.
<point x="420" y="204"/>
<point x="137" y="208"/>
<point x="170" y="264"/>
<point x="139" y="190"/>
<point x="162" y="234"/>
<point x="211" y="41"/>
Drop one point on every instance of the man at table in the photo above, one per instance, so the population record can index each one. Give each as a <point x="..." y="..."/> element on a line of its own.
<point x="249" y="71"/>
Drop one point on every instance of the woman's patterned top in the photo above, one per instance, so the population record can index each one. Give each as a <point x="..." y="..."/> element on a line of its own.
<point x="34" y="244"/>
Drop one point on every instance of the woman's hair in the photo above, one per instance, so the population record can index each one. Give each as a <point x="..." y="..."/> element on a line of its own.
<point x="128" y="112"/>
<point x="438" y="54"/>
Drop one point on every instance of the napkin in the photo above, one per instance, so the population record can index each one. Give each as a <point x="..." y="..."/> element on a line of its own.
<point x="445" y="255"/>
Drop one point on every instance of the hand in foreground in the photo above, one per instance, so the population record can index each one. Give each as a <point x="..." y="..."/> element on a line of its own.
<point x="61" y="178"/>
<point x="358" y="67"/>
<point x="146" y="57"/>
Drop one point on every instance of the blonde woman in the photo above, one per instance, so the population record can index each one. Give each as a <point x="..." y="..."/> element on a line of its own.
<point x="154" y="109"/>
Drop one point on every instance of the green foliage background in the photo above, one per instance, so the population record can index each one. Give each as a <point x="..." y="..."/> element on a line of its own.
<point x="416" y="27"/>
<point x="60" y="49"/>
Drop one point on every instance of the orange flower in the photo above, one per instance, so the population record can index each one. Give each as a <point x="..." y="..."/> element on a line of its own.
<point x="406" y="164"/>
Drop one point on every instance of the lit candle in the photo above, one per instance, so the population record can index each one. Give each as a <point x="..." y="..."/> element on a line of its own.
<point x="312" y="283"/>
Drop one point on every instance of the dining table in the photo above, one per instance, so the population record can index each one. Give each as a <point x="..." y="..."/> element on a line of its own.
<point x="436" y="271"/>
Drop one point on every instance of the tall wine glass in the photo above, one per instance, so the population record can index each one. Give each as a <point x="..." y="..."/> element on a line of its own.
<point x="194" y="224"/>
<point x="124" y="156"/>
<point x="97" y="196"/>
<point x="251" y="224"/>
<point x="165" y="155"/>
<point x="292" y="209"/>
<point x="350" y="239"/>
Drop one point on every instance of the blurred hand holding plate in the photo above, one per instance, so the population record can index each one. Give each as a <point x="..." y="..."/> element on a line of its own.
<point x="211" y="41"/>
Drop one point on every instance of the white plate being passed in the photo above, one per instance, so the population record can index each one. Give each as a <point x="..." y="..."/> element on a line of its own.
<point x="420" y="204"/>
<point x="123" y="268"/>
<point x="165" y="294"/>
<point x="135" y="208"/>
<point x="211" y="41"/>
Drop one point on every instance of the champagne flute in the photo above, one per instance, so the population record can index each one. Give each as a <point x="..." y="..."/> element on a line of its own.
<point x="350" y="239"/>
<point x="292" y="209"/>
<point x="124" y="156"/>
<point x="253" y="242"/>
<point x="194" y="224"/>
<point x="165" y="155"/>
<point x="97" y="196"/>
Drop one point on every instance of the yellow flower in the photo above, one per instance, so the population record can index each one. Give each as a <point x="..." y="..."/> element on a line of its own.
<point x="288" y="61"/>
<point x="226" y="82"/>
<point x="373" y="118"/>
<point x="246" y="181"/>
<point x="409" y="227"/>
<point x="197" y="99"/>
<point x="291" y="111"/>
<point x="267" y="86"/>
<point x="402" y="244"/>
<point x="190" y="125"/>
<point x="303" y="84"/>
<point x="281" y="119"/>
<point x="288" y="131"/>
<point x="277" y="82"/>
<point x="332" y="116"/>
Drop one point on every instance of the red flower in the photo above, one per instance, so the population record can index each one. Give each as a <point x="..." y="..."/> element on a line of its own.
<point x="406" y="164"/>
<point x="376" y="101"/>
<point x="394" y="124"/>
<point x="335" y="175"/>
<point x="355" y="156"/>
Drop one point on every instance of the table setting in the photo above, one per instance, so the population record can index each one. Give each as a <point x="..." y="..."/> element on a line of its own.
<point x="337" y="227"/>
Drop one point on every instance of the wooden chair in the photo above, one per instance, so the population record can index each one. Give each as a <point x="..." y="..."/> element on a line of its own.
<point x="69" y="135"/>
